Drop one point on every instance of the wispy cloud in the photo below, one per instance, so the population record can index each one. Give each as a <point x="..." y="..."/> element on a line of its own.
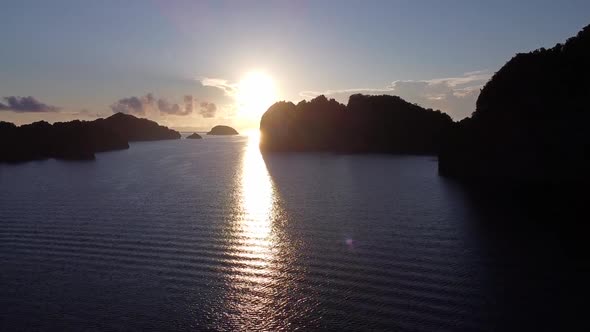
<point x="26" y="104"/>
<point x="453" y="95"/>
<point x="229" y="88"/>
<point x="85" y="113"/>
<point x="478" y="77"/>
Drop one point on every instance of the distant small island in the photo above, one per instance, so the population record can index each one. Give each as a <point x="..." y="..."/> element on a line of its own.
<point x="222" y="130"/>
<point x="194" y="136"/>
<point x="76" y="140"/>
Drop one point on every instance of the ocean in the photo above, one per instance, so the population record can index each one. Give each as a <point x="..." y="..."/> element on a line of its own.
<point x="211" y="235"/>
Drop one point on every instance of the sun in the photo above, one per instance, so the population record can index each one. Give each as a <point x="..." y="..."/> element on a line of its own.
<point x="255" y="94"/>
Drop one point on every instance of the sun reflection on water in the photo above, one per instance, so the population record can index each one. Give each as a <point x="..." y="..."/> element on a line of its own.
<point x="256" y="193"/>
<point x="254" y="281"/>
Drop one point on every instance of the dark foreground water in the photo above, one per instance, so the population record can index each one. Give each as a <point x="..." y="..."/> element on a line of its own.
<point x="208" y="235"/>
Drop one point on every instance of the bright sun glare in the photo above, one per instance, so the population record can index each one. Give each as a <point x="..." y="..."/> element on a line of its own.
<point x="256" y="93"/>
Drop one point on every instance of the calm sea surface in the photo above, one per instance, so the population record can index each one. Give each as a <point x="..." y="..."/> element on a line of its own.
<point x="209" y="235"/>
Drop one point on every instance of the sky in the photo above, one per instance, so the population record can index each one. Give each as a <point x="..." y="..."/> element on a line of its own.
<point x="195" y="64"/>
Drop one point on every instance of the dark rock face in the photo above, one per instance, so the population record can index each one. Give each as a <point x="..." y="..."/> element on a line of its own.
<point x="222" y="130"/>
<point x="368" y="124"/>
<point x="76" y="140"/>
<point x="194" y="136"/>
<point x="531" y="121"/>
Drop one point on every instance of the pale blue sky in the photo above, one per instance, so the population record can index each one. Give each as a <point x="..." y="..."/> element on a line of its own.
<point x="83" y="56"/>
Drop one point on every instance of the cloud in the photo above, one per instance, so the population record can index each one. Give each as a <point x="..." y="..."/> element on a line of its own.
<point x="469" y="78"/>
<point x="453" y="95"/>
<point x="175" y="109"/>
<point x="228" y="88"/>
<point x="143" y="106"/>
<point x="166" y="107"/>
<point x="208" y="109"/>
<point x="86" y="113"/>
<point x="134" y="105"/>
<point x="26" y="104"/>
<point x="188" y="104"/>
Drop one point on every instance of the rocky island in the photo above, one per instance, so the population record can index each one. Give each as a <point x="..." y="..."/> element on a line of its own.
<point x="529" y="125"/>
<point x="531" y="121"/>
<point x="222" y="130"/>
<point x="194" y="136"/>
<point x="367" y="124"/>
<point x="76" y="140"/>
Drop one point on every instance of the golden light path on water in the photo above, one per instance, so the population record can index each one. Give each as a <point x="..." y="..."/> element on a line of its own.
<point x="251" y="298"/>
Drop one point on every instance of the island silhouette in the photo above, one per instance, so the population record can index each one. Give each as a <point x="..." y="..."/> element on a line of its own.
<point x="76" y="140"/>
<point x="222" y="130"/>
<point x="531" y="120"/>
<point x="530" y="123"/>
<point x="367" y="124"/>
<point x="194" y="136"/>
